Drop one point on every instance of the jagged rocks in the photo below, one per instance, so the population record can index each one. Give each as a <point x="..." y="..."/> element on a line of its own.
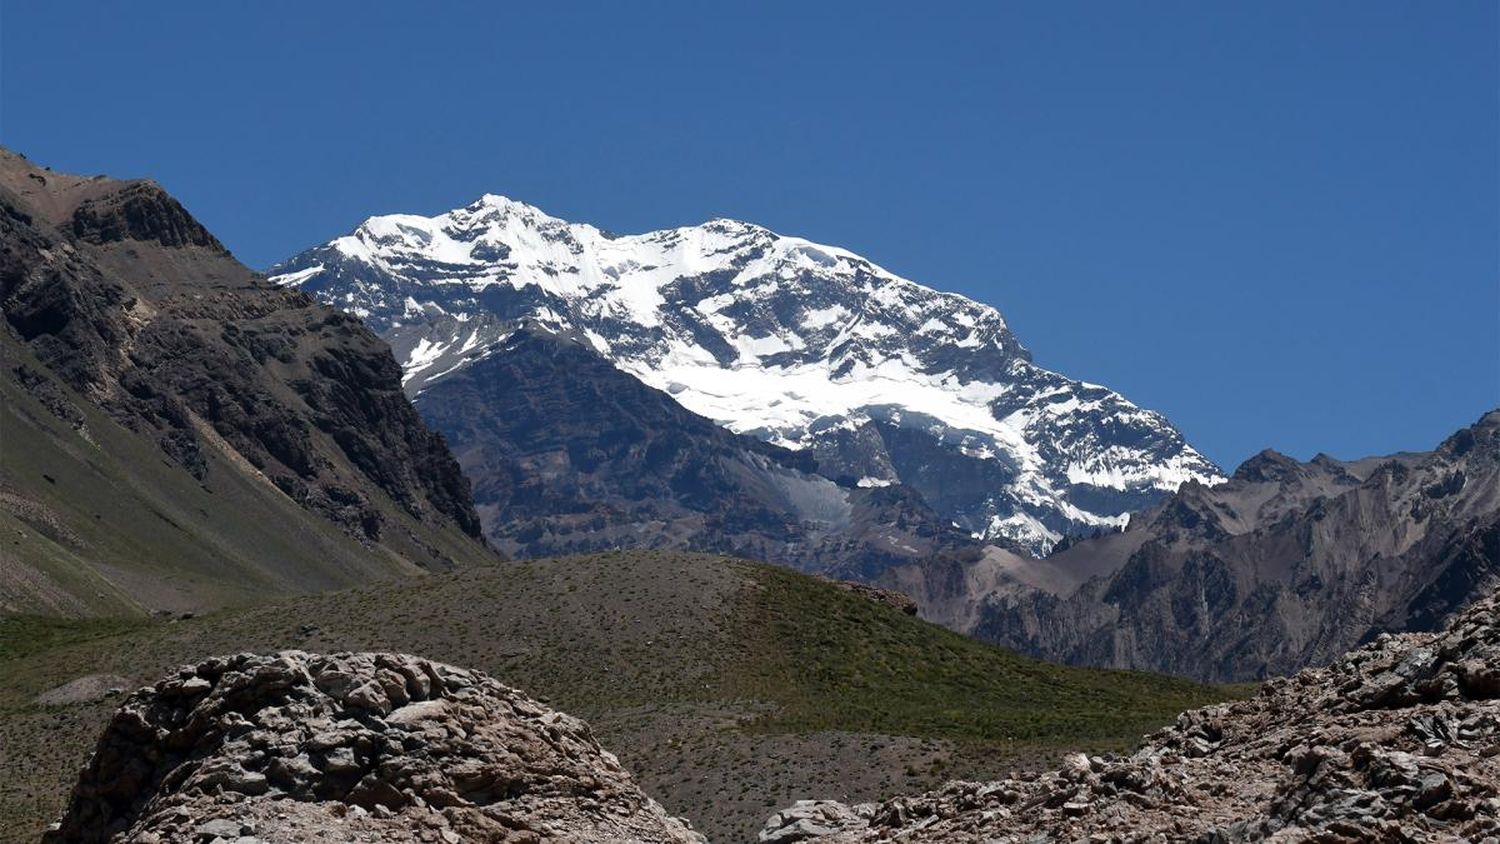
<point x="1287" y="565"/>
<point x="809" y="819"/>
<point x="1398" y="741"/>
<point x="376" y="747"/>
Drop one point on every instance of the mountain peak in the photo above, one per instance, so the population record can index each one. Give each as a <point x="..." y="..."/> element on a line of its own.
<point x="1267" y="465"/>
<point x="505" y="205"/>
<point x="730" y="224"/>
<point x="805" y="345"/>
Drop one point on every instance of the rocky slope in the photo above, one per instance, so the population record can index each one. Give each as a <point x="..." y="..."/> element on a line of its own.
<point x="806" y="346"/>
<point x="1288" y="564"/>
<point x="132" y="339"/>
<point x="367" y="746"/>
<point x="1396" y="741"/>
<point x="570" y="454"/>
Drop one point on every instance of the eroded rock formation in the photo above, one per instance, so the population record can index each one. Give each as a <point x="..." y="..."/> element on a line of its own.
<point x="378" y="747"/>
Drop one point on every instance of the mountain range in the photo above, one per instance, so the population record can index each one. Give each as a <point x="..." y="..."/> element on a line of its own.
<point x="179" y="434"/>
<point x="1285" y="565"/>
<point x="880" y="380"/>
<point x="725" y="388"/>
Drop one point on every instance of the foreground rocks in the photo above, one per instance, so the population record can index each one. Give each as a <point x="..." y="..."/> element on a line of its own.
<point x="1398" y="741"/>
<point x="351" y="747"/>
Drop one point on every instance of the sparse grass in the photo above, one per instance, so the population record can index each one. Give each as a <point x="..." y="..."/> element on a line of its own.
<point x="838" y="664"/>
<point x="25" y="635"/>
<point x="729" y="688"/>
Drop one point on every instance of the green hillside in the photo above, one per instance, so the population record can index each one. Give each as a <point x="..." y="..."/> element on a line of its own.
<point x="729" y="688"/>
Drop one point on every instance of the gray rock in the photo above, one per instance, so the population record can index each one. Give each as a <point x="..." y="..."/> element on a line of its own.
<point x="218" y="828"/>
<point x="288" y="743"/>
<point x="810" y="819"/>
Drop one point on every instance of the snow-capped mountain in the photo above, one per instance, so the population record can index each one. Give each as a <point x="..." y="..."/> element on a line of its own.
<point x="800" y="344"/>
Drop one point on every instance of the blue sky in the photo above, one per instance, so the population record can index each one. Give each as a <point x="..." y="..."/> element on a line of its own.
<point x="1275" y="222"/>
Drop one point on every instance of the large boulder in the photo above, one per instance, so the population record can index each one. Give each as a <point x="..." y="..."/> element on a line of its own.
<point x="1397" y="741"/>
<point x="353" y="746"/>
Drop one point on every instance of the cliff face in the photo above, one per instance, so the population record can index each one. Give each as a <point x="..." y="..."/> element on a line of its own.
<point x="118" y="303"/>
<point x="569" y="454"/>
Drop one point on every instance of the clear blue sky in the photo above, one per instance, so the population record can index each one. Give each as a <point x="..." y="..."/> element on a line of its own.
<point x="1275" y="222"/>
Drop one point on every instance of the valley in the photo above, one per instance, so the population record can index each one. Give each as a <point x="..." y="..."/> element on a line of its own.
<point x="727" y="688"/>
<point x="488" y="525"/>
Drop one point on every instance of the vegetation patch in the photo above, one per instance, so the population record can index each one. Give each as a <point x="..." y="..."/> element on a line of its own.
<point x="25" y="635"/>
<point x="834" y="662"/>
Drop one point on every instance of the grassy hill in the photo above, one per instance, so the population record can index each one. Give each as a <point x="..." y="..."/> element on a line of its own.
<point x="729" y="688"/>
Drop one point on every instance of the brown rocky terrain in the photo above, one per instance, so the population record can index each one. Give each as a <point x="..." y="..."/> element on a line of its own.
<point x="179" y="433"/>
<point x="1396" y="741"/>
<point x="367" y="746"/>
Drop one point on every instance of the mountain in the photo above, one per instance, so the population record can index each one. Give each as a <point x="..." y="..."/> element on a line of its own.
<point x="570" y="454"/>
<point x="1288" y="564"/>
<point x="1393" y="742"/>
<point x="728" y="688"/>
<point x="805" y="346"/>
<point x="176" y="433"/>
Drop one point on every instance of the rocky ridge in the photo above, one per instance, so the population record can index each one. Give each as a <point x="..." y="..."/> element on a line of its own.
<point x="367" y="746"/>
<point x="1397" y="741"/>
<point x="804" y="345"/>
<point x="130" y="301"/>
<point x="1287" y="564"/>
<point x="131" y="337"/>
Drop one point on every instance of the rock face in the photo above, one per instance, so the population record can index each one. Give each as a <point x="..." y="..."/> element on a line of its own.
<point x="367" y="746"/>
<point x="807" y="346"/>
<point x="150" y="314"/>
<point x="569" y="454"/>
<point x="1288" y="564"/>
<point x="1397" y="741"/>
<point x="118" y="304"/>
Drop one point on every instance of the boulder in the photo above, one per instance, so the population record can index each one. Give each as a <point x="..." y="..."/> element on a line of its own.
<point x="353" y="746"/>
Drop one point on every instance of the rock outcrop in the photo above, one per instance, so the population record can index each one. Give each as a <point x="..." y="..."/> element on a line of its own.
<point x="898" y="601"/>
<point x="130" y="301"/>
<point x="363" y="746"/>
<point x="1397" y="741"/>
